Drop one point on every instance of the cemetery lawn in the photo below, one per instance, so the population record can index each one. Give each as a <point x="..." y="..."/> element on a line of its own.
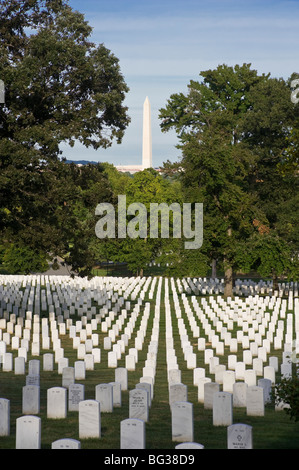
<point x="273" y="431"/>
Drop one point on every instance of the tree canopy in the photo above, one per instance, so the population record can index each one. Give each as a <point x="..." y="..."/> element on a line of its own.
<point x="234" y="129"/>
<point x="59" y="87"/>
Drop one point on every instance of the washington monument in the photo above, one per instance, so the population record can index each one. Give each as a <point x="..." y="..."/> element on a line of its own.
<point x="147" y="159"/>
<point x="147" y="136"/>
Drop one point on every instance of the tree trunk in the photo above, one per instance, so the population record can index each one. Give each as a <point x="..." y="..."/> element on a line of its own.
<point x="214" y="268"/>
<point x="275" y="281"/>
<point x="228" y="273"/>
<point x="228" y="280"/>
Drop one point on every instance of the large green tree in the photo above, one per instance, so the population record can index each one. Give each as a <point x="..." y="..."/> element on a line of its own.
<point x="59" y="87"/>
<point x="138" y="249"/>
<point x="231" y="139"/>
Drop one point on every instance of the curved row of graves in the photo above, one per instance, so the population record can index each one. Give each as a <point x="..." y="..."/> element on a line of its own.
<point x="37" y="312"/>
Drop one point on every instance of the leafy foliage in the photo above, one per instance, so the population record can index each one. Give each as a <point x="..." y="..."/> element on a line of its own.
<point x="287" y="392"/>
<point x="59" y="87"/>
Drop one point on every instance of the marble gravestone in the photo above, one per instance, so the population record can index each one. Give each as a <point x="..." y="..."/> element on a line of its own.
<point x="255" y="405"/>
<point x="56" y="403"/>
<point x="4" y="417"/>
<point x="104" y="395"/>
<point x="28" y="432"/>
<point x="222" y="409"/>
<point x="66" y="444"/>
<point x="182" y="421"/>
<point x="30" y="399"/>
<point x="239" y="436"/>
<point x="75" y="395"/>
<point x="132" y="434"/>
<point x="138" y="404"/>
<point x="89" y="419"/>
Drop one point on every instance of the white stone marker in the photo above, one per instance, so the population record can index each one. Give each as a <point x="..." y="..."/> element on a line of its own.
<point x="48" y="362"/>
<point x="266" y="385"/>
<point x="209" y="389"/>
<point x="132" y="434"/>
<point x="7" y="362"/>
<point x="112" y="359"/>
<point x="178" y="392"/>
<point x="89" y="419"/>
<point x="146" y="386"/>
<point x="56" y="403"/>
<point x="239" y="436"/>
<point x="138" y="404"/>
<point x="229" y="378"/>
<point x="239" y="394"/>
<point x="30" y="400"/>
<point x="182" y="421"/>
<point x="104" y="395"/>
<point x="80" y="370"/>
<point x="189" y="445"/>
<point x="66" y="444"/>
<point x="68" y="376"/>
<point x="255" y="405"/>
<point x="201" y="388"/>
<point x="116" y="393"/>
<point x="19" y="365"/>
<point x="75" y="395"/>
<point x="28" y="432"/>
<point x="4" y="417"/>
<point x="121" y="376"/>
<point x="222" y="409"/>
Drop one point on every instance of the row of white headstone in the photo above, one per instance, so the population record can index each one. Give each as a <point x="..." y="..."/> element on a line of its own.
<point x="225" y="315"/>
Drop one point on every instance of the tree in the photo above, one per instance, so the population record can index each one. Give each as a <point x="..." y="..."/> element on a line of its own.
<point x="232" y="139"/>
<point x="145" y="187"/>
<point x="286" y="391"/>
<point x="214" y="161"/>
<point x="269" y="131"/>
<point x="59" y="87"/>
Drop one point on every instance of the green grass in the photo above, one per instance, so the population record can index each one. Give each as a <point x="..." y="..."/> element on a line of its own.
<point x="273" y="431"/>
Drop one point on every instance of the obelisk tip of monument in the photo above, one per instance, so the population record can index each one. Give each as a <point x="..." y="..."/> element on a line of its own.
<point x="147" y="136"/>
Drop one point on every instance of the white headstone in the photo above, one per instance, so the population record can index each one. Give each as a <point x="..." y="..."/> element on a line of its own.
<point x="48" y="362"/>
<point x="132" y="434"/>
<point x="56" y="403"/>
<point x="239" y="436"/>
<point x="255" y="401"/>
<point x="30" y="400"/>
<point x="28" y="432"/>
<point x="178" y="392"/>
<point x="189" y="445"/>
<point x="209" y="389"/>
<point x="89" y="419"/>
<point x="104" y="395"/>
<point x="138" y="404"/>
<point x="66" y="444"/>
<point x="79" y="370"/>
<point x="182" y="421"/>
<point x="19" y="363"/>
<point x="239" y="394"/>
<point x="75" y="395"/>
<point x="116" y="392"/>
<point x="68" y="376"/>
<point x="222" y="409"/>
<point x="4" y="417"/>
<point x="121" y="376"/>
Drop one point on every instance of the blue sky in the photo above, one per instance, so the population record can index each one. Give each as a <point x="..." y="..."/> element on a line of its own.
<point x="163" y="44"/>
